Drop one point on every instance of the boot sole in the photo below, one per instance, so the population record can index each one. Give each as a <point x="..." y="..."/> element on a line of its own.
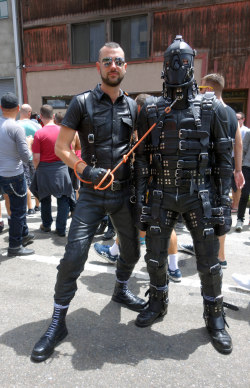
<point x="130" y="307"/>
<point x="37" y="358"/>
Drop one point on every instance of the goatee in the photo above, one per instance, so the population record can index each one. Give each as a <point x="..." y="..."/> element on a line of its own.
<point x="109" y="82"/>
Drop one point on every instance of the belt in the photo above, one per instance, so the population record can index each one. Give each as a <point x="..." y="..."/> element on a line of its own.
<point x="119" y="185"/>
<point x="177" y="182"/>
<point x="115" y="186"/>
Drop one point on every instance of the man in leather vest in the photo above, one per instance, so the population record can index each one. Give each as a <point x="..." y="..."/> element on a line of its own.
<point x="185" y="165"/>
<point x="104" y="119"/>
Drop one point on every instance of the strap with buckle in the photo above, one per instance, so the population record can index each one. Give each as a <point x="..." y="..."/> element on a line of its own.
<point x="189" y="145"/>
<point x="155" y="229"/>
<point x="204" y="196"/>
<point x="155" y="209"/>
<point x="209" y="234"/>
<point x="119" y="185"/>
<point x="179" y="173"/>
<point x="192" y="134"/>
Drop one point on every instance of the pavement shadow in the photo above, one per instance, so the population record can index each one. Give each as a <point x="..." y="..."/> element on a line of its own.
<point x="243" y="314"/>
<point x="187" y="264"/>
<point x="103" y="283"/>
<point x="100" y="339"/>
<point x="4" y="257"/>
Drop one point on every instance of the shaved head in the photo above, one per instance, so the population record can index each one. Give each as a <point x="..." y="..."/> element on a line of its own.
<point x="25" y="111"/>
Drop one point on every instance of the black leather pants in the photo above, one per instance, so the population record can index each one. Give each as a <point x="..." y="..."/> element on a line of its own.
<point x="206" y="244"/>
<point x="91" y="207"/>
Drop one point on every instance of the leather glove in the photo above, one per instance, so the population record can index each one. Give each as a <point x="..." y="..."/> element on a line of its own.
<point x="220" y="230"/>
<point x="92" y="174"/>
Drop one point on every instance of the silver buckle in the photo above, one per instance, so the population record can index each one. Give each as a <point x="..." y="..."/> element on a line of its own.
<point x="176" y="182"/>
<point x="202" y="153"/>
<point x="201" y="192"/>
<point x="180" y="134"/>
<point x="177" y="173"/>
<point x="158" y="192"/>
<point x="180" y="146"/>
<point x="114" y="185"/>
<point x="178" y="163"/>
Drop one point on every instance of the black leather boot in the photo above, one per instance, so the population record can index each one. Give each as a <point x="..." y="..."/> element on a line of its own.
<point x="214" y="317"/>
<point x="157" y="307"/>
<point x="55" y="333"/>
<point x="124" y="296"/>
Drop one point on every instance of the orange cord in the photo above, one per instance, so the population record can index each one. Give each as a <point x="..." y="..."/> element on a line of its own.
<point x="96" y="187"/>
<point x="124" y="159"/>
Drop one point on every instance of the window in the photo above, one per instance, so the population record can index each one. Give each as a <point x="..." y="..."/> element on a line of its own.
<point x="237" y="99"/>
<point x="3" y="9"/>
<point x="131" y="34"/>
<point x="6" y="85"/>
<point x="87" y="39"/>
<point x="58" y="102"/>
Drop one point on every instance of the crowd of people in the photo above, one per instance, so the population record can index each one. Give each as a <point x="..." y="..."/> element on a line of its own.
<point x="184" y="167"/>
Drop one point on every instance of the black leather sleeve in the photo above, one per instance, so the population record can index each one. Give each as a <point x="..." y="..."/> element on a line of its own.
<point x="221" y="163"/>
<point x="74" y="114"/>
<point x="141" y="167"/>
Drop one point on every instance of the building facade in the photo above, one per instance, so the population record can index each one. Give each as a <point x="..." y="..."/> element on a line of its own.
<point x="61" y="40"/>
<point x="10" y="72"/>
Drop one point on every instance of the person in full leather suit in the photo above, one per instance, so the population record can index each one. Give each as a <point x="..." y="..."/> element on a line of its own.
<point x="104" y="119"/>
<point x="185" y="165"/>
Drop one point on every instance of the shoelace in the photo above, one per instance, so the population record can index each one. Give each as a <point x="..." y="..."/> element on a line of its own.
<point x="54" y="323"/>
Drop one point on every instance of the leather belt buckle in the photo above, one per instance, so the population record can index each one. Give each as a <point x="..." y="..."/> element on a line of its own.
<point x="181" y="134"/>
<point x="203" y="154"/>
<point x="115" y="185"/>
<point x="177" y="182"/>
<point x="201" y="192"/>
<point x="178" y="173"/>
<point x="181" y="145"/>
<point x="155" y="229"/>
<point x="158" y="194"/>
<point x="91" y="138"/>
<point x="179" y="162"/>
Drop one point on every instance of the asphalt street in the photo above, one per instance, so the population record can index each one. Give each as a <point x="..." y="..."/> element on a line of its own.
<point x="104" y="348"/>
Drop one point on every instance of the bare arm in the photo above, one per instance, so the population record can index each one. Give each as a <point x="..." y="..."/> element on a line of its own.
<point x="238" y="176"/>
<point x="36" y="159"/>
<point x="77" y="143"/>
<point x="63" y="148"/>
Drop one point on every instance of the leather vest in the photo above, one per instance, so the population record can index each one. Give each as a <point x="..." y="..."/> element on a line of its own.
<point x="179" y="148"/>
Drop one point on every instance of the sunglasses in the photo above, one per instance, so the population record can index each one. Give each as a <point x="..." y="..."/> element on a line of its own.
<point x="107" y="61"/>
<point x="206" y="87"/>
